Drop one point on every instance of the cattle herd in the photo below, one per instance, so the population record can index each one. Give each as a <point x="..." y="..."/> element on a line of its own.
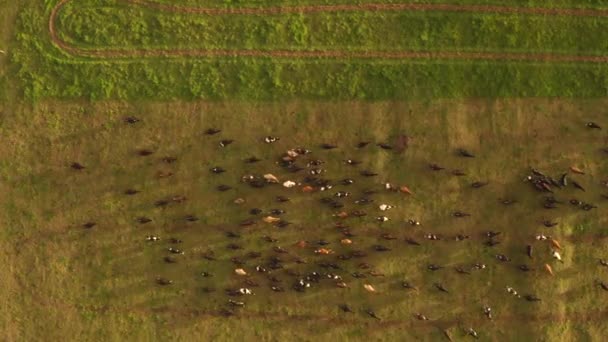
<point x="301" y="172"/>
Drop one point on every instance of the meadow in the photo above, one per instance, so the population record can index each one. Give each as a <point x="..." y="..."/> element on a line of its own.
<point x="48" y="72"/>
<point x="63" y="281"/>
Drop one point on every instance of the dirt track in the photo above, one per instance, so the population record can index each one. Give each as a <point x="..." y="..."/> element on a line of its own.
<point x="537" y="57"/>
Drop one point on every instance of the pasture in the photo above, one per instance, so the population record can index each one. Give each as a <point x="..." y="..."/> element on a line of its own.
<point x="522" y="100"/>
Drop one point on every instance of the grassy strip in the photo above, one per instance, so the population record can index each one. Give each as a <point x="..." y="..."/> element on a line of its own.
<point x="522" y="3"/>
<point x="140" y="27"/>
<point x="44" y="72"/>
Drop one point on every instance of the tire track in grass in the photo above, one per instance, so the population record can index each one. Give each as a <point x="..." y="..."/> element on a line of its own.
<point x="337" y="54"/>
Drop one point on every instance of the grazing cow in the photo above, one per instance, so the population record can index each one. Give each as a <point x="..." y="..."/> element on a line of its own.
<point x="413" y="222"/>
<point x="604" y="262"/>
<point x="255" y="211"/>
<point x="372" y="314"/>
<point x="532" y="298"/>
<point x="503" y="258"/>
<point x="464" y="153"/>
<point x="405" y="190"/>
<point x="458" y="173"/>
<point x="388" y="236"/>
<point x="487" y="311"/>
<point x="324" y="251"/>
<point x="578" y="186"/>
<point x="240" y="271"/>
<point x="385" y="146"/>
<point x="175" y="250"/>
<point x="252" y="160"/>
<point x="342" y="194"/>
<point x="434" y="267"/>
<point x="478" y="185"/>
<point x="212" y="131"/>
<point x="235" y="303"/>
<point x="460" y="237"/>
<point x="345" y="308"/>
<point x="152" y="238"/>
<point x="170" y="260"/>
<point x="191" y="218"/>
<point x="555" y="243"/>
<point x="460" y="214"/>
<point x="529" y="251"/>
<point x="473" y="333"/>
<point x="164" y="174"/>
<point x="271" y="219"/>
<point x="592" y="124"/>
<point x="226" y="142"/>
<point x="384" y="207"/>
<point x="326" y="146"/>
<point x="587" y="206"/>
<point x="270" y="139"/>
<point x="382" y="218"/>
<point x="362" y="144"/>
<point x="512" y="291"/>
<point x="402" y="142"/>
<point x="491" y="242"/>
<point x="178" y="199"/>
<point x="161" y="203"/>
<point x="575" y="202"/>
<point x="77" y="166"/>
<point x="557" y="256"/>
<point x="217" y="170"/>
<point x="244" y="291"/>
<point x="143" y="220"/>
<point x="440" y="287"/>
<point x="131" y="120"/>
<point x="412" y="242"/>
<point x="380" y="248"/>
<point x="131" y="192"/>
<point x="524" y="268"/>
<point x="289" y="184"/>
<point x="461" y="270"/>
<point x="436" y="167"/>
<point x="364" y="201"/>
<point x="163" y="281"/>
<point x="367" y="173"/>
<point x="89" y="225"/>
<point x="549" y="224"/>
<point x="145" y="153"/>
<point x="421" y="317"/>
<point x="433" y="237"/>
<point x="369" y="288"/>
<point x="507" y="201"/>
<point x="576" y="170"/>
<point x="347" y="181"/>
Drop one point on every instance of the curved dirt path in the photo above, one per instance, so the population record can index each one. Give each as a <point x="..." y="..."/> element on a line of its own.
<point x="497" y="56"/>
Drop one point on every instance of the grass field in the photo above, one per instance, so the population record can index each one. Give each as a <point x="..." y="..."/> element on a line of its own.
<point x="46" y="71"/>
<point x="63" y="282"/>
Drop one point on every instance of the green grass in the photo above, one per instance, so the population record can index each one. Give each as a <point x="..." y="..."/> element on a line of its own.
<point x="59" y="281"/>
<point x="45" y="72"/>
<point x="66" y="281"/>
<point x="137" y="27"/>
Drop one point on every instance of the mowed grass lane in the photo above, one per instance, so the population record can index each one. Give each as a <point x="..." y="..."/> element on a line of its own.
<point x="68" y="281"/>
<point x="133" y="26"/>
